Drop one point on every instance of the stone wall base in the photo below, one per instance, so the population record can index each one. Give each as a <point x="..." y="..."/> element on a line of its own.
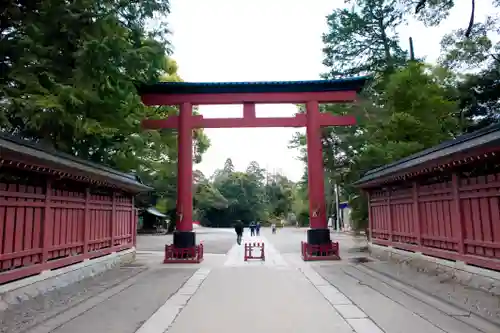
<point x="466" y="275"/>
<point x="18" y="291"/>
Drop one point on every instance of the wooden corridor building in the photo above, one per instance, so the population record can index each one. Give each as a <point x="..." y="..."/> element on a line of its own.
<point x="57" y="210"/>
<point x="442" y="202"/>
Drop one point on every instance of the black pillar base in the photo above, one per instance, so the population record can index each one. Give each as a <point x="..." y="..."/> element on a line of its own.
<point x="184" y="239"/>
<point x="318" y="236"/>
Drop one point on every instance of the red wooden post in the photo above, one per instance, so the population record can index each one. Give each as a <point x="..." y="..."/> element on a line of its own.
<point x="86" y="222"/>
<point x="249" y="110"/>
<point x="416" y="213"/>
<point x="317" y="206"/>
<point x="370" y="222"/>
<point x="389" y="215"/>
<point x="113" y="219"/>
<point x="185" y="169"/>
<point x="456" y="214"/>
<point x="133" y="222"/>
<point x="47" y="226"/>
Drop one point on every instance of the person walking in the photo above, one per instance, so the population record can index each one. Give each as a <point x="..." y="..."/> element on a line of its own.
<point x="257" y="228"/>
<point x="252" y="228"/>
<point x="238" y="227"/>
<point x="273" y="227"/>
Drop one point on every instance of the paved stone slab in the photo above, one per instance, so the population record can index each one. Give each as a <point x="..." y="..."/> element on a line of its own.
<point x="282" y="294"/>
<point x="393" y="312"/>
<point x="122" y="312"/>
<point x="235" y="257"/>
<point x="364" y="325"/>
<point x="163" y="318"/>
<point x="333" y="295"/>
<point x="258" y="299"/>
<point x="350" y="311"/>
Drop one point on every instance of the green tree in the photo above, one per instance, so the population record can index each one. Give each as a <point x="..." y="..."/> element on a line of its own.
<point x="206" y="197"/>
<point x="430" y="12"/>
<point x="300" y="204"/>
<point x="416" y="115"/>
<point x="228" y="166"/>
<point x="469" y="46"/>
<point x="279" y="195"/>
<point x="475" y="49"/>
<point x="69" y="71"/>
<point x="254" y="170"/>
<point x="407" y="107"/>
<point x="363" y="39"/>
<point x="232" y="195"/>
<point x="74" y="90"/>
<point x="479" y="97"/>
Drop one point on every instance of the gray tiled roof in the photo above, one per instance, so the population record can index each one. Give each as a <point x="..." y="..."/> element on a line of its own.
<point x="354" y="83"/>
<point x="483" y="137"/>
<point x="27" y="148"/>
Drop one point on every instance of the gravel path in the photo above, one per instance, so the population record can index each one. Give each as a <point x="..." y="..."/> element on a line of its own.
<point x="27" y="314"/>
<point x="481" y="302"/>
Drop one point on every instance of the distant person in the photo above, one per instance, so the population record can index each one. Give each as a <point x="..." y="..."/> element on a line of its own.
<point x="257" y="228"/>
<point x="238" y="227"/>
<point x="273" y="227"/>
<point x="252" y="228"/>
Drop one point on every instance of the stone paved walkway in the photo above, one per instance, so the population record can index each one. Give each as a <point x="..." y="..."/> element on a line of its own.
<point x="254" y="296"/>
<point x="282" y="294"/>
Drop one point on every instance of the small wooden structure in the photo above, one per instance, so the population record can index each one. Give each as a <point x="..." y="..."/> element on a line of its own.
<point x="250" y="249"/>
<point x="442" y="202"/>
<point x="57" y="210"/>
<point x="153" y="221"/>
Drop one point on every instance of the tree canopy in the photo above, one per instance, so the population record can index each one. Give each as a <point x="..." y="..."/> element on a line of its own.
<point x="409" y="105"/>
<point x="69" y="71"/>
<point x="253" y="195"/>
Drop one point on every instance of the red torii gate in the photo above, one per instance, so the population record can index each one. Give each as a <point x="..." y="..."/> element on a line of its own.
<point x="311" y="93"/>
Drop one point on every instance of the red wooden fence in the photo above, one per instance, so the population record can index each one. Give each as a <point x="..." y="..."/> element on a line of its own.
<point x="60" y="223"/>
<point x="457" y="219"/>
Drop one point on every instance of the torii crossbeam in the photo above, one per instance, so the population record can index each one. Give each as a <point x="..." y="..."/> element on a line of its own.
<point x="311" y="93"/>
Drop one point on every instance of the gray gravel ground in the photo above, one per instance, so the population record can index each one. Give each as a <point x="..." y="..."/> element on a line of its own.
<point x="31" y="312"/>
<point x="476" y="300"/>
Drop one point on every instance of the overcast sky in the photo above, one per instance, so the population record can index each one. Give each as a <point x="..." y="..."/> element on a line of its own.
<point x="267" y="40"/>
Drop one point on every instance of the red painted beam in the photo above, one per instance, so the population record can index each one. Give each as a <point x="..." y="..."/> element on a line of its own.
<point x="200" y="122"/>
<point x="241" y="98"/>
<point x="297" y="121"/>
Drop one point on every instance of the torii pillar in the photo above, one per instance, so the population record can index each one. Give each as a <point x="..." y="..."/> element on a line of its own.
<point x="184" y="236"/>
<point x="318" y="233"/>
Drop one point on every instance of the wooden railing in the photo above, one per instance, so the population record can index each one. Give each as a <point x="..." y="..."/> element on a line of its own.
<point x="457" y="219"/>
<point x="46" y="227"/>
